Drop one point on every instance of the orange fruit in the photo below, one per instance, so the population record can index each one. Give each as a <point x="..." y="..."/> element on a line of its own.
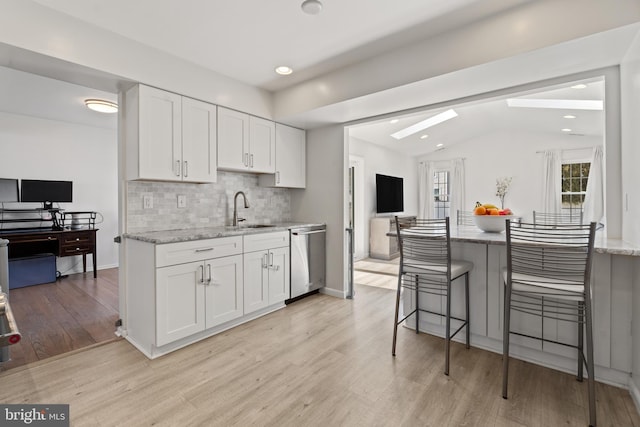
<point x="494" y="212"/>
<point x="480" y="210"/>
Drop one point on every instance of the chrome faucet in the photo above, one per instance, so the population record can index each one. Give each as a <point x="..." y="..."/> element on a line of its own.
<point x="236" y="220"/>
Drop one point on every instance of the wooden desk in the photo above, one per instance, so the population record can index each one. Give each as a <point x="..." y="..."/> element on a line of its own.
<point x="61" y="243"/>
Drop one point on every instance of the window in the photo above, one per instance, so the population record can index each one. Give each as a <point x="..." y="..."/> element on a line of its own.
<point x="574" y="186"/>
<point x="441" y="195"/>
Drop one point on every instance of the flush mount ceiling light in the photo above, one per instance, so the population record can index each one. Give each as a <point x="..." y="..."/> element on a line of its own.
<point x="566" y="104"/>
<point x="439" y="145"/>
<point x="579" y="86"/>
<point x="101" y="105"/>
<point x="425" y="136"/>
<point x="569" y="116"/>
<point x="431" y="121"/>
<point x="392" y="121"/>
<point x="566" y="130"/>
<point x="283" y="70"/>
<point x="311" y="7"/>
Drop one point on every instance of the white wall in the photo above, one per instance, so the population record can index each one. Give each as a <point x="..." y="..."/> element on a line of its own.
<point x="503" y="153"/>
<point x="323" y="199"/>
<point x="378" y="159"/>
<point x="34" y="148"/>
<point x="630" y="102"/>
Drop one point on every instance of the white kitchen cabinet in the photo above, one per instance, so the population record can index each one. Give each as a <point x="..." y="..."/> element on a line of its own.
<point x="290" y="169"/>
<point x="223" y="290"/>
<point x="266" y="270"/>
<point x="169" y="137"/>
<point x="245" y="143"/>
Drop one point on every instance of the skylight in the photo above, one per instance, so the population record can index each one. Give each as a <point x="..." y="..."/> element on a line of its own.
<point x="431" y="121"/>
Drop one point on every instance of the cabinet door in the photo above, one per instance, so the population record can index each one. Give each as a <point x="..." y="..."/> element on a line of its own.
<point x="256" y="287"/>
<point x="199" y="136"/>
<point x="290" y="157"/>
<point x="233" y="140"/>
<point x="223" y="290"/>
<point x="179" y="302"/>
<point x="262" y="145"/>
<point x="278" y="275"/>
<point x="160" y="135"/>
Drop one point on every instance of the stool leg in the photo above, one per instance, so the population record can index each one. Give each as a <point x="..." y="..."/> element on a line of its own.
<point x="395" y="321"/>
<point x="581" y="328"/>
<point x="590" y="364"/>
<point x="505" y="340"/>
<point x="466" y="297"/>
<point x="417" y="304"/>
<point x="447" y="341"/>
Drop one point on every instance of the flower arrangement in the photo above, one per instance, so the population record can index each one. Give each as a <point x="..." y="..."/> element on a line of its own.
<point x="502" y="186"/>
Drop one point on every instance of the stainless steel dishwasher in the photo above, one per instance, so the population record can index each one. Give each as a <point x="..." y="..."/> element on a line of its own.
<point x="308" y="260"/>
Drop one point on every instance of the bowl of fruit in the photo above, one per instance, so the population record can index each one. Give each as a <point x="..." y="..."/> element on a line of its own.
<point x="490" y="218"/>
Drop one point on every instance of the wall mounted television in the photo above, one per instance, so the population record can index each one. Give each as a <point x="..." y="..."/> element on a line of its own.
<point x="9" y="190"/>
<point x="46" y="192"/>
<point x="389" y="194"/>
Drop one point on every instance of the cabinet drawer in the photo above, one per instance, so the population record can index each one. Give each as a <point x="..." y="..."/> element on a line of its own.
<point x="76" y="249"/>
<point x="74" y="239"/>
<point x="197" y="250"/>
<point x="261" y="241"/>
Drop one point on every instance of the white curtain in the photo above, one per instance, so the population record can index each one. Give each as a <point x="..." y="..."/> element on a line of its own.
<point x="594" y="200"/>
<point x="425" y="190"/>
<point x="458" y="196"/>
<point x="551" y="182"/>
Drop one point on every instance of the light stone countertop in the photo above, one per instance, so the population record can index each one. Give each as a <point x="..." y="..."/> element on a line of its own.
<point x="604" y="245"/>
<point x="189" y="234"/>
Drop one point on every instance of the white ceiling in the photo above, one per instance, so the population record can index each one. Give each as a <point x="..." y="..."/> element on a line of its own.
<point x="490" y="116"/>
<point x="247" y="39"/>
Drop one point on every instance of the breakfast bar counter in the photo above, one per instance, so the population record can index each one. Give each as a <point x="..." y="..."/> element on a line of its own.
<point x="612" y="281"/>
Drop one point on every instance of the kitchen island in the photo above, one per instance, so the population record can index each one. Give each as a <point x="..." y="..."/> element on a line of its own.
<point x="612" y="284"/>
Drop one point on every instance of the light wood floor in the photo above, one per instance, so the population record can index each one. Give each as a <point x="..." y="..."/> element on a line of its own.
<point x="378" y="273"/>
<point x="321" y="361"/>
<point x="71" y="313"/>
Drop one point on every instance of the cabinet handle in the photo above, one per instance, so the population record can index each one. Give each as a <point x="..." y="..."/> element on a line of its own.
<point x="264" y="261"/>
<point x="177" y="167"/>
<point x="278" y="177"/>
<point x="201" y="274"/>
<point x="245" y="159"/>
<point x="209" y="273"/>
<point x="204" y="250"/>
<point x="271" y="259"/>
<point x="186" y="169"/>
<point x="251" y="160"/>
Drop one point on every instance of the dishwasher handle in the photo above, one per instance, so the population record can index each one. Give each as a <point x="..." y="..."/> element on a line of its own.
<point x="305" y="233"/>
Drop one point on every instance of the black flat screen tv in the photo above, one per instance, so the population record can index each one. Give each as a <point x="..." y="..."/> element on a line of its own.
<point x="389" y="194"/>
<point x="9" y="190"/>
<point x="34" y="190"/>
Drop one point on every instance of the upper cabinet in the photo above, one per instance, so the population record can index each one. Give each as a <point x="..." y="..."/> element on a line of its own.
<point x="245" y="143"/>
<point x="169" y="137"/>
<point x="290" y="159"/>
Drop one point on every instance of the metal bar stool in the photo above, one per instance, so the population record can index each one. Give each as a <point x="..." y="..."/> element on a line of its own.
<point x="426" y="267"/>
<point x="464" y="218"/>
<point x="557" y="218"/>
<point x="548" y="275"/>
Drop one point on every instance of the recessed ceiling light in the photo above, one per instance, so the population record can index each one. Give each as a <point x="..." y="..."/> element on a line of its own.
<point x="566" y="130"/>
<point x="425" y="136"/>
<point x="431" y="121"/>
<point x="569" y="116"/>
<point x="394" y="121"/>
<point x="311" y="7"/>
<point x="566" y="104"/>
<point x="579" y="86"/>
<point x="283" y="70"/>
<point x="101" y="105"/>
<point x="439" y="145"/>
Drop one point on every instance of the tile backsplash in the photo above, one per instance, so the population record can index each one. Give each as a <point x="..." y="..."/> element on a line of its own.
<point x="207" y="205"/>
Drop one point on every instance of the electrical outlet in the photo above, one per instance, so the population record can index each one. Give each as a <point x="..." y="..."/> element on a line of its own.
<point x="147" y="201"/>
<point x="182" y="201"/>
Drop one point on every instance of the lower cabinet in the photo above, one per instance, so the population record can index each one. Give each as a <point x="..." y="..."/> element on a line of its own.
<point x="196" y="296"/>
<point x="266" y="276"/>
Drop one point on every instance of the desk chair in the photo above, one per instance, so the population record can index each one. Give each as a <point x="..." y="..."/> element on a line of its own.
<point x="557" y="218"/>
<point x="426" y="267"/>
<point x="464" y="218"/>
<point x="548" y="275"/>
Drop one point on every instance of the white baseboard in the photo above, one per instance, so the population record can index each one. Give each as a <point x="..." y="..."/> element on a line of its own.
<point x="333" y="292"/>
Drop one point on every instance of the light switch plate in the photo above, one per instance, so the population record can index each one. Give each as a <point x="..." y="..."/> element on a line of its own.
<point x="147" y="201"/>
<point x="182" y="201"/>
